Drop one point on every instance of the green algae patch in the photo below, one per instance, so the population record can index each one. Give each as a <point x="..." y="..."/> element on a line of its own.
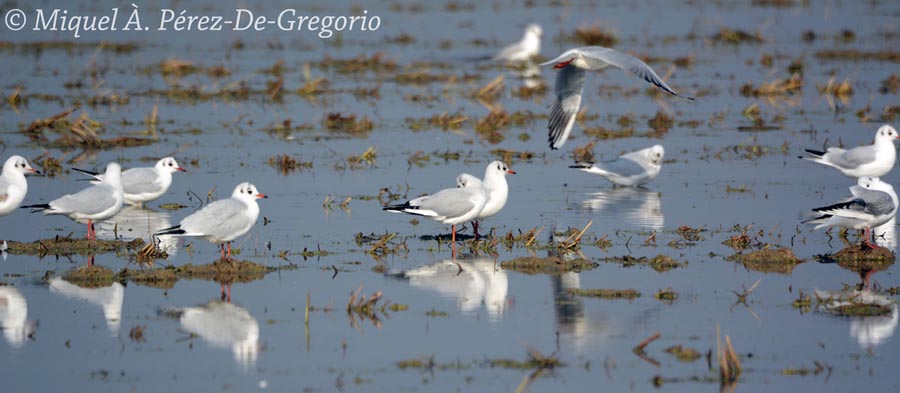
<point x="223" y="271"/>
<point x="163" y="278"/>
<point x="90" y="276"/>
<point x="69" y="246"/>
<point x="660" y="263"/>
<point x="629" y="294"/>
<point x="685" y="355"/>
<point x="780" y="260"/>
<point x="549" y="265"/>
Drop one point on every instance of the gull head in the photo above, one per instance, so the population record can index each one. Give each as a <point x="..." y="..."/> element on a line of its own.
<point x="247" y="192"/>
<point x="496" y="168"/>
<point x="534" y="29"/>
<point x="465" y="180"/>
<point x="169" y="164"/>
<point x="18" y="165"/>
<point x="888" y="133"/>
<point x="113" y="173"/>
<point x="655" y="154"/>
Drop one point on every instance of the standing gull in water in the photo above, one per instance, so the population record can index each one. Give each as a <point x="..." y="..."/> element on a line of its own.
<point x="224" y="220"/>
<point x="13" y="185"/>
<point x="873" y="160"/>
<point x="573" y="65"/>
<point x="95" y="203"/>
<point x="526" y="48"/>
<point x="495" y="187"/>
<point x="629" y="170"/>
<point x="874" y="202"/>
<point x="144" y="184"/>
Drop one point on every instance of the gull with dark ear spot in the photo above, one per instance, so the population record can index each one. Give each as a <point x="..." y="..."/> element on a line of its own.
<point x="495" y="187"/>
<point x="144" y="184"/>
<point x="95" y="203"/>
<point x="874" y="203"/>
<point x="573" y="65"/>
<point x="13" y="185"/>
<point x="222" y="221"/>
<point x="873" y="160"/>
<point x="629" y="170"/>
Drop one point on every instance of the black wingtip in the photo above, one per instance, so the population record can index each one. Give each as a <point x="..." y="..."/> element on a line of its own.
<point x="817" y="153"/>
<point x="841" y="205"/>
<point x="398" y="208"/>
<point x="582" y="165"/>
<point x="35" y="208"/>
<point x="86" y="172"/>
<point x="176" y="230"/>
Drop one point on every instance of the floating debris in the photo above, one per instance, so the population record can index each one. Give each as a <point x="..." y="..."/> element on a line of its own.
<point x="286" y="164"/>
<point x="736" y="37"/>
<point x="685" y="355"/>
<point x="854" y="54"/>
<point x="660" y="263"/>
<point x="595" y="35"/>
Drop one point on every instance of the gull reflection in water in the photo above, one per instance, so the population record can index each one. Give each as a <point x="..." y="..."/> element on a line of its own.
<point x="14" y="317"/>
<point x="886" y="234"/>
<point x="479" y="282"/>
<point x="132" y="222"/>
<point x="530" y="74"/>
<point x="636" y="206"/>
<point x="869" y="331"/>
<point x="225" y="325"/>
<point x="109" y="298"/>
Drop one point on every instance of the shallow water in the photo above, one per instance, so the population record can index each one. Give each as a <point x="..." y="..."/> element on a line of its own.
<point x="59" y="336"/>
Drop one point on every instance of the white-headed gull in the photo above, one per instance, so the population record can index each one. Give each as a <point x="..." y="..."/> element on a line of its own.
<point x="573" y="65"/>
<point x="225" y="325"/>
<point x="873" y="160"/>
<point x="224" y="220"/>
<point x="95" y="203"/>
<point x="449" y="206"/>
<point x="629" y="170"/>
<point x="13" y="185"/>
<point x="528" y="47"/>
<point x="144" y="184"/>
<point x="874" y="202"/>
<point x="495" y="188"/>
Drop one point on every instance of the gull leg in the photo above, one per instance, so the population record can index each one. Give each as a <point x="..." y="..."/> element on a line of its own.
<point x="90" y="261"/>
<point x="475" y="225"/>
<point x="453" y="241"/>
<point x="222" y="248"/>
<point x="90" y="225"/>
<point x="229" y="251"/>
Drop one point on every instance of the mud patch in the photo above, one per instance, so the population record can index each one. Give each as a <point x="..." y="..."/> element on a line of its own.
<point x="549" y="265"/>
<point x="781" y="260"/>
<point x="69" y="246"/>
<point x="861" y="257"/>
<point x="222" y="271"/>
<point x="660" y="263"/>
<point x="90" y="277"/>
<point x="629" y="294"/>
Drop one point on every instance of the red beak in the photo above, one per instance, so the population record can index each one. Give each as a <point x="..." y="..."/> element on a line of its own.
<point x="180" y="169"/>
<point x="261" y="195"/>
<point x="563" y="64"/>
<point x="510" y="172"/>
<point x="35" y="171"/>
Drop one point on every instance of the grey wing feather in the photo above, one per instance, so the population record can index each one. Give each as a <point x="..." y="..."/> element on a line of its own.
<point x="623" y="167"/>
<point x="569" y="86"/>
<point x="219" y="216"/>
<point x="631" y="64"/>
<point x="874" y="201"/>
<point x="90" y="200"/>
<point x="451" y="202"/>
<point x="854" y="157"/>
<point x="140" y="180"/>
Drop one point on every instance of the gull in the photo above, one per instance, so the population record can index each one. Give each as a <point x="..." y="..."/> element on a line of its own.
<point x="528" y="47"/>
<point x="573" y="65"/>
<point x="449" y="206"/>
<point x="629" y="170"/>
<point x="222" y="221"/>
<point x="144" y="184"/>
<point x="873" y="160"/>
<point x="95" y="203"/>
<point x="874" y="202"/>
<point x="495" y="188"/>
<point x="13" y="185"/>
<point x="225" y="325"/>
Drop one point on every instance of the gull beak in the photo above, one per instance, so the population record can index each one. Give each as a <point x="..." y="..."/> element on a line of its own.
<point x="261" y="195"/>
<point x="180" y="169"/>
<point x="35" y="171"/>
<point x="510" y="172"/>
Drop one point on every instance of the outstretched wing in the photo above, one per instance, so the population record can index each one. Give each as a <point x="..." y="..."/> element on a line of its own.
<point x="569" y="86"/>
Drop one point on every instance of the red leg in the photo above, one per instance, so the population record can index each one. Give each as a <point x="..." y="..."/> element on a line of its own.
<point x="89" y="231"/>
<point x="222" y="248"/>
<point x="453" y="241"/>
<point x="90" y="261"/>
<point x="229" y="251"/>
<point x="475" y="225"/>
